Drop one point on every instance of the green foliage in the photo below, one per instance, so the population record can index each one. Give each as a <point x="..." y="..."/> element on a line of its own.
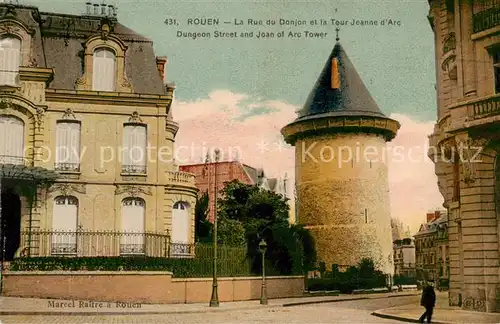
<point x="362" y="276"/>
<point x="231" y="232"/>
<point x="231" y="262"/>
<point x="264" y="215"/>
<point x="203" y="227"/>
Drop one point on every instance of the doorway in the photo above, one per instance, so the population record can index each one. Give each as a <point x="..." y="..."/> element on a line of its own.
<point x="11" y="221"/>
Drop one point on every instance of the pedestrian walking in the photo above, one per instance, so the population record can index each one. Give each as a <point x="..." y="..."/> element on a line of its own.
<point x="428" y="300"/>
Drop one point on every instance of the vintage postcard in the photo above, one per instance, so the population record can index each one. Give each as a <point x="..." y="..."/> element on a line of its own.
<point x="227" y="161"/>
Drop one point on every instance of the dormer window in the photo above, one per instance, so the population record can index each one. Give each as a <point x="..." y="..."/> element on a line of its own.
<point x="104" y="70"/>
<point x="10" y="59"/>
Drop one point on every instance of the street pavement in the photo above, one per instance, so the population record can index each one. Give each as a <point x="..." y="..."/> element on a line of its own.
<point x="354" y="311"/>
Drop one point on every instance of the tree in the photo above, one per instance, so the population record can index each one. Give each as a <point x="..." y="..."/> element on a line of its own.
<point x="264" y="215"/>
<point x="231" y="232"/>
<point x="203" y="227"/>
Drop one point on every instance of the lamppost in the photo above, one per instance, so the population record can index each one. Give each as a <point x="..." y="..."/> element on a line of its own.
<point x="263" y="291"/>
<point x="214" y="301"/>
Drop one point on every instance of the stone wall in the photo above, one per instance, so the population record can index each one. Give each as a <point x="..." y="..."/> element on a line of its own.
<point x="143" y="287"/>
<point x="344" y="198"/>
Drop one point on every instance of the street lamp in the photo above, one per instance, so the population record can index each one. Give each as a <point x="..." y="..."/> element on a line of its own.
<point x="263" y="291"/>
<point x="214" y="301"/>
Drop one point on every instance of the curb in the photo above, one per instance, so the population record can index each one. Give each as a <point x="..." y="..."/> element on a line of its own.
<point x="198" y="311"/>
<point x="402" y="318"/>
<point x="343" y="300"/>
<point x="86" y="313"/>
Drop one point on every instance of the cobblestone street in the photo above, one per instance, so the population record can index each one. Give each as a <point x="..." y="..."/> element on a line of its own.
<point x="341" y="312"/>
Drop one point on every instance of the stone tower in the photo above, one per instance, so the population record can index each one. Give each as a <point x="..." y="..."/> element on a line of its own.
<point x="341" y="178"/>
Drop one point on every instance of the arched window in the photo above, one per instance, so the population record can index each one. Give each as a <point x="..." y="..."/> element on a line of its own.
<point x="133" y="226"/>
<point x="68" y="146"/>
<point x="134" y="148"/>
<point x="10" y="59"/>
<point x="11" y="140"/>
<point x="104" y="70"/>
<point x="180" y="229"/>
<point x="64" y="225"/>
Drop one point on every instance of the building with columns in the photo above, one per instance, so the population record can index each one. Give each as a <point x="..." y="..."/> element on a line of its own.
<point x="84" y="96"/>
<point x="341" y="172"/>
<point x="464" y="145"/>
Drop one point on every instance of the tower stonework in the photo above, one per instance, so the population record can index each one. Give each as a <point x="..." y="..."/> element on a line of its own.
<point x="341" y="178"/>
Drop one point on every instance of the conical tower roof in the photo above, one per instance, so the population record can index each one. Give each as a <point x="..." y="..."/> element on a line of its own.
<point x="348" y="97"/>
<point x="339" y="103"/>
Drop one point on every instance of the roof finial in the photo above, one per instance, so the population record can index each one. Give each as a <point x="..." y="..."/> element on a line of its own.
<point x="337" y="30"/>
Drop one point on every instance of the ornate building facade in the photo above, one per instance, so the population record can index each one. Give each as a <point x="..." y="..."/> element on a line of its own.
<point x="404" y="257"/>
<point x="464" y="145"/>
<point x="432" y="250"/>
<point x="85" y="96"/>
<point x="341" y="172"/>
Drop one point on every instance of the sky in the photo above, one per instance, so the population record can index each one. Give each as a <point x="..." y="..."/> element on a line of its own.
<point x="237" y="93"/>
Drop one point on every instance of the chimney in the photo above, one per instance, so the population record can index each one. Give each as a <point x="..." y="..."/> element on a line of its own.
<point x="161" y="61"/>
<point x="89" y="8"/>
<point x="433" y="216"/>
<point x="96" y="9"/>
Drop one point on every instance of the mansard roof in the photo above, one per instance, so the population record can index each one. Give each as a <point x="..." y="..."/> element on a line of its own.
<point x="57" y="43"/>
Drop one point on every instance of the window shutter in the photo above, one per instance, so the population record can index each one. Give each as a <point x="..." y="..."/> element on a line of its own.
<point x="180" y="224"/>
<point x="74" y="143"/>
<point x="3" y="67"/>
<point x="110" y="72"/>
<point x="64" y="219"/>
<point x="141" y="142"/>
<point x="104" y="72"/>
<point x="127" y="142"/>
<point x="10" y="59"/>
<point x="60" y="142"/>
<point x="133" y="214"/>
<point x="11" y="140"/>
<point x="98" y="74"/>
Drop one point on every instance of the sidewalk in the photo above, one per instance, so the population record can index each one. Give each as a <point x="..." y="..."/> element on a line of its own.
<point x="443" y="313"/>
<point x="36" y="306"/>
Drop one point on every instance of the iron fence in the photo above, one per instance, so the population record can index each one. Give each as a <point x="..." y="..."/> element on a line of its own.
<point x="85" y="243"/>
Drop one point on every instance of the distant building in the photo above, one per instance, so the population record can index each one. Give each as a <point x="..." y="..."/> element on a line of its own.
<point x="397" y="229"/>
<point x="404" y="257"/>
<point x="431" y="248"/>
<point x="234" y="170"/>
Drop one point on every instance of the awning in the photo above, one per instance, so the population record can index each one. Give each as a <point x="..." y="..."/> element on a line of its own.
<point x="27" y="173"/>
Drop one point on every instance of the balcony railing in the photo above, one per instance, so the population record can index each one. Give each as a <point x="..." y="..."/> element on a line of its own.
<point x="84" y="243"/>
<point x="486" y="18"/>
<point x="179" y="177"/>
<point x="134" y="169"/>
<point x="10" y="159"/>
<point x="490" y="106"/>
<point x="67" y="167"/>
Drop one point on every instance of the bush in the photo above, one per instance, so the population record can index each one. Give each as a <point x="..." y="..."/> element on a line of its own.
<point x="231" y="262"/>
